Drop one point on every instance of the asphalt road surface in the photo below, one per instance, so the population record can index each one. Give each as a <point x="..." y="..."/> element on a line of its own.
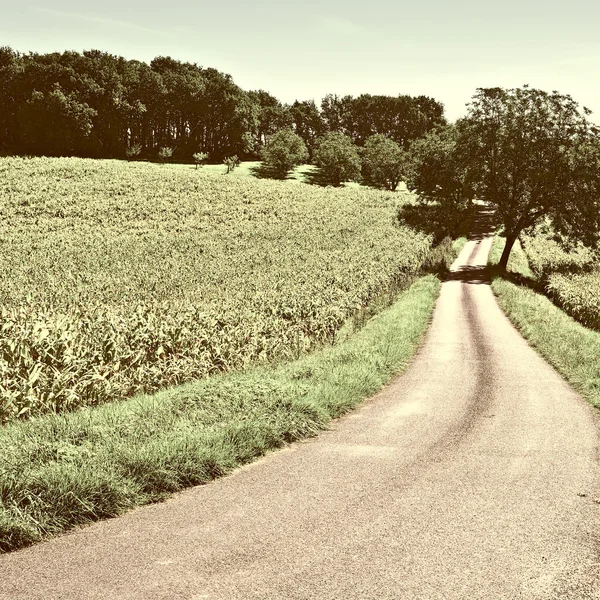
<point x="473" y="475"/>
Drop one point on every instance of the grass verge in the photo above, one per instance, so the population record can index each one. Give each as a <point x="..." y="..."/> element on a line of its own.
<point x="572" y="349"/>
<point x="59" y="471"/>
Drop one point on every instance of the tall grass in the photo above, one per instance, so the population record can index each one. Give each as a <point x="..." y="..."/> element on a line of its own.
<point x="58" y="471"/>
<point x="569" y="277"/>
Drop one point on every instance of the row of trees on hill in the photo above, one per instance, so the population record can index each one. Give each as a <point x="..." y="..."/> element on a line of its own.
<point x="380" y="161"/>
<point x="101" y="105"/>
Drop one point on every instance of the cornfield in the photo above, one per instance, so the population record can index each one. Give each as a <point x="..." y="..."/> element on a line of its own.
<point x="571" y="278"/>
<point x="119" y="278"/>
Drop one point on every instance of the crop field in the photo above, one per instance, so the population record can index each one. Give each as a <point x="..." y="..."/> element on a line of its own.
<point x="119" y="278"/>
<point x="570" y="278"/>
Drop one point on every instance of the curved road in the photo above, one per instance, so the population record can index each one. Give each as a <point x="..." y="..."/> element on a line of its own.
<point x="473" y="476"/>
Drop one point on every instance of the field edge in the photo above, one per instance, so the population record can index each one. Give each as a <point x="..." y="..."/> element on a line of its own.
<point x="95" y="463"/>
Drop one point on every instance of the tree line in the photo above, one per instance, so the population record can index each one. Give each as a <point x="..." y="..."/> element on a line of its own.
<point x="97" y="104"/>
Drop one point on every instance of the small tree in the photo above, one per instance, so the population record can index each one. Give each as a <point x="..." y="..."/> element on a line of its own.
<point x="231" y="162"/>
<point x="284" y="151"/>
<point x="435" y="169"/>
<point x="133" y="151"/>
<point x="533" y="155"/>
<point x="199" y="158"/>
<point x="436" y="174"/>
<point x="338" y="159"/>
<point x="165" y="153"/>
<point x="384" y="162"/>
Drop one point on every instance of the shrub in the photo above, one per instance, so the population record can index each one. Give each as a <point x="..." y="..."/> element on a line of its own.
<point x="337" y="158"/>
<point x="133" y="151"/>
<point x="199" y="158"/>
<point x="165" y="153"/>
<point x="283" y="152"/>
<point x="231" y="162"/>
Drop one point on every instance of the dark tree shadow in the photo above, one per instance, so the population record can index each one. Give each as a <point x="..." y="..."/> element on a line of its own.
<point x="263" y="171"/>
<point x="517" y="278"/>
<point x="470" y="274"/>
<point x="316" y="177"/>
<point x="442" y="221"/>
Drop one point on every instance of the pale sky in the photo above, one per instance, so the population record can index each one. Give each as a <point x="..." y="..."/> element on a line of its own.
<point x="304" y="50"/>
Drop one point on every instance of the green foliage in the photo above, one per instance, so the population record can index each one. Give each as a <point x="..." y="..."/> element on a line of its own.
<point x="133" y="151"/>
<point x="284" y="151"/>
<point x="272" y="116"/>
<point x="199" y="158"/>
<point x="547" y="254"/>
<point x="571" y="278"/>
<point x="533" y="155"/>
<point x="337" y="158"/>
<point x="435" y="170"/>
<point x="307" y="123"/>
<point x="56" y="121"/>
<point x="384" y="162"/>
<point x="94" y="103"/>
<point x="60" y="471"/>
<point x="578" y="294"/>
<point x="102" y="101"/>
<point x="400" y="118"/>
<point x="122" y="277"/>
<point x="440" y="220"/>
<point x="164" y="154"/>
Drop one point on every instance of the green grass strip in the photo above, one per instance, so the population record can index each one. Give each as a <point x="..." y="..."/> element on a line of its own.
<point x="572" y="349"/>
<point x="59" y="471"/>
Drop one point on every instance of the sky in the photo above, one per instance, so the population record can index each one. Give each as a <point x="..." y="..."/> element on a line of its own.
<point x="304" y="50"/>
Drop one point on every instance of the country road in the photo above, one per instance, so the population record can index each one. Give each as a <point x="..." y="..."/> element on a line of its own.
<point x="472" y="476"/>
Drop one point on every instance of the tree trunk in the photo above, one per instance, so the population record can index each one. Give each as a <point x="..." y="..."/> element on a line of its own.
<point x="510" y="242"/>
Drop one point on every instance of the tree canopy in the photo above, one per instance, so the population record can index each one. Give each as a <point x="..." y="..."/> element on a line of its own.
<point x="384" y="162"/>
<point x="534" y="155"/>
<point x="337" y="158"/>
<point x="101" y="105"/>
<point x="436" y="169"/>
<point x="284" y="150"/>
<point x="400" y="118"/>
<point x="98" y="104"/>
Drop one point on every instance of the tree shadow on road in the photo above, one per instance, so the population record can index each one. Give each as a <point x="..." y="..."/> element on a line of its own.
<point x="471" y="274"/>
<point x="536" y="285"/>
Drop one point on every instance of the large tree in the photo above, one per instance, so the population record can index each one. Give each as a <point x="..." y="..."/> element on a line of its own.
<point x="533" y="155"/>
<point x="307" y="122"/>
<point x="272" y="116"/>
<point x="401" y="118"/>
